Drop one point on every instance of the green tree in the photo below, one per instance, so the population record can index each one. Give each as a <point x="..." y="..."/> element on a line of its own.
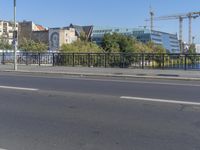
<point x="118" y="43"/>
<point x="192" y="49"/>
<point x="155" y="48"/>
<point x="4" y="44"/>
<point x="32" y="46"/>
<point x="81" y="46"/>
<point x="141" y="48"/>
<point x="110" y="43"/>
<point x="121" y="43"/>
<point x="83" y="36"/>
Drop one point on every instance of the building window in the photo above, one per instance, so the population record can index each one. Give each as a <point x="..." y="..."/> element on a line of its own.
<point x="156" y="39"/>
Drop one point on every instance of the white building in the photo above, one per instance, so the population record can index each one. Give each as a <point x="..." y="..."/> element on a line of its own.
<point x="6" y="31"/>
<point x="198" y="48"/>
<point x="60" y="36"/>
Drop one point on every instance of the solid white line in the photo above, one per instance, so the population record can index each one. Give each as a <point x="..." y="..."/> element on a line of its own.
<point x="160" y="100"/>
<point x="18" y="88"/>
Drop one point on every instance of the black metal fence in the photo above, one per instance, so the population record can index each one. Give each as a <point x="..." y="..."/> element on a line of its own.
<point x="112" y="60"/>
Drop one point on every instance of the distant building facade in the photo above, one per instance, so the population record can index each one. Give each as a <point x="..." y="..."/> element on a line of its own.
<point x="56" y="37"/>
<point x="60" y="36"/>
<point x="86" y="30"/>
<point x="169" y="41"/>
<point x="41" y="36"/>
<point x="53" y="37"/>
<point x="198" y="48"/>
<point x="6" y="31"/>
<point x="31" y="31"/>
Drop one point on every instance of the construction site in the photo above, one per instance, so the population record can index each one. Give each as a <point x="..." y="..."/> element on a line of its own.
<point x="190" y="16"/>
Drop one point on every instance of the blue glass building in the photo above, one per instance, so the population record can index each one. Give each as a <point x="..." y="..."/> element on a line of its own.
<point x="169" y="41"/>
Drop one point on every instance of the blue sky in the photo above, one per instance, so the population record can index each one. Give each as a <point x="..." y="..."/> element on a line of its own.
<point x="118" y="13"/>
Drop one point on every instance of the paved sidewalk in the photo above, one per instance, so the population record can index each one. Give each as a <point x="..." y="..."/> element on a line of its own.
<point x="111" y="72"/>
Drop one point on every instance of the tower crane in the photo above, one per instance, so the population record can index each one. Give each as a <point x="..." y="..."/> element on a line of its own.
<point x="180" y="17"/>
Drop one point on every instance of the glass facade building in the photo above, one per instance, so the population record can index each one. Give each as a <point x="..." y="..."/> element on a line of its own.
<point x="169" y="41"/>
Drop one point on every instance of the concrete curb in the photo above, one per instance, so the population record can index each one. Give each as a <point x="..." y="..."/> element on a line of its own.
<point x="105" y="75"/>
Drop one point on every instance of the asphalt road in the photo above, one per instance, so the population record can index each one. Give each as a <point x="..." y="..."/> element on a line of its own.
<point x="73" y="113"/>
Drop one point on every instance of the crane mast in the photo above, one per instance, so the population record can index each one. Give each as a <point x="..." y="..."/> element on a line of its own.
<point x="152" y="19"/>
<point x="181" y="33"/>
<point x="180" y="17"/>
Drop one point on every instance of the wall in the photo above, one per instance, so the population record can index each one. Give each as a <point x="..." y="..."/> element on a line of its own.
<point x="25" y="31"/>
<point x="30" y="31"/>
<point x="40" y="36"/>
<point x="60" y="36"/>
<point x="54" y="39"/>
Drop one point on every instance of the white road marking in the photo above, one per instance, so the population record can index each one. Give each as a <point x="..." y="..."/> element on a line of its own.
<point x="2" y="149"/>
<point x="160" y="100"/>
<point x="18" y="88"/>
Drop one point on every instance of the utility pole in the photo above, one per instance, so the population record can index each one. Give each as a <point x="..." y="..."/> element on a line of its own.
<point x="190" y="29"/>
<point x="193" y="40"/>
<point x="181" y="33"/>
<point x="152" y="19"/>
<point x="15" y="38"/>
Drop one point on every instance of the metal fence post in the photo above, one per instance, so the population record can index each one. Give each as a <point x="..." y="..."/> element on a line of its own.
<point x="73" y="57"/>
<point x="142" y="60"/>
<point x="3" y="58"/>
<point x="26" y="58"/>
<point x="39" y="59"/>
<point x="89" y="63"/>
<point x="105" y="60"/>
<point x="53" y="59"/>
<point x="163" y="61"/>
<point x="122" y="61"/>
<point x="185" y="62"/>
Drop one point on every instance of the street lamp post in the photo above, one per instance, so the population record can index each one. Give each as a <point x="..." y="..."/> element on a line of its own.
<point x="15" y="37"/>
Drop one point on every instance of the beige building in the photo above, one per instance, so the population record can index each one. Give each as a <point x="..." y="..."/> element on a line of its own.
<point x="6" y="31"/>
<point x="54" y="37"/>
<point x="198" y="48"/>
<point x="32" y="31"/>
<point x="60" y="36"/>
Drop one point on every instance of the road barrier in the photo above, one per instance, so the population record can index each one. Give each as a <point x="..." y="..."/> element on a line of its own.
<point x="108" y="60"/>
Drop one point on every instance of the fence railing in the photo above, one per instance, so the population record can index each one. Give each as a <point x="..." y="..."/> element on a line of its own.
<point x="114" y="60"/>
